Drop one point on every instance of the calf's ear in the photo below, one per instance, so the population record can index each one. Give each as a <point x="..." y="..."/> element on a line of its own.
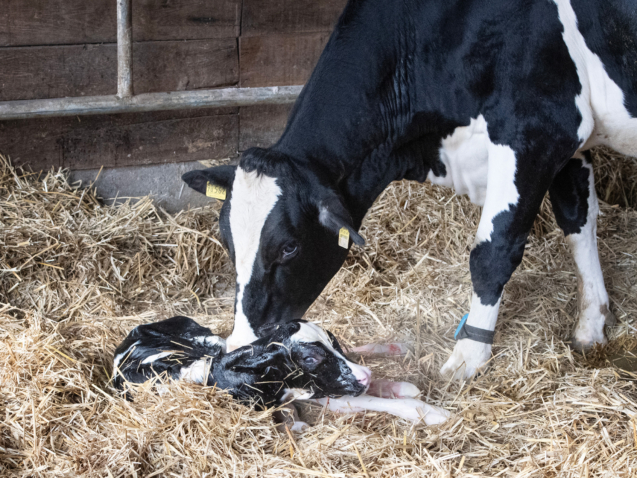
<point x="334" y="216"/>
<point x="335" y="343"/>
<point x="198" y="180"/>
<point x="255" y="360"/>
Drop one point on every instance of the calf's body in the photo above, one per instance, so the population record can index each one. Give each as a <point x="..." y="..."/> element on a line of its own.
<point x="500" y="100"/>
<point x="294" y="361"/>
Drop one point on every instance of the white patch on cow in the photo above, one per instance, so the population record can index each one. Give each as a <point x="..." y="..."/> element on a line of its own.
<point x="469" y="356"/>
<point x="253" y="198"/>
<point x="309" y="333"/>
<point x="406" y="408"/>
<point x="605" y="119"/>
<point x="196" y="371"/>
<point x="118" y="358"/>
<point x="152" y="358"/>
<point x="210" y="341"/>
<point x="465" y="156"/>
<point x="472" y="162"/>
<point x="593" y="298"/>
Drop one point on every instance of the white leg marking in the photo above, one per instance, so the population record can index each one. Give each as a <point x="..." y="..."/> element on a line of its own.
<point x="593" y="298"/>
<point x="253" y="198"/>
<point x="391" y="389"/>
<point x="396" y="348"/>
<point x="469" y="356"/>
<point x="407" y="408"/>
<point x="605" y="119"/>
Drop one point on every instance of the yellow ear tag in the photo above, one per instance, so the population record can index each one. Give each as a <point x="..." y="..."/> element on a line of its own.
<point x="214" y="191"/>
<point x="343" y="238"/>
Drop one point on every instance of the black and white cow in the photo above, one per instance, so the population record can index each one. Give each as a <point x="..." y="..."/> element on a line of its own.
<point x="295" y="360"/>
<point x="498" y="99"/>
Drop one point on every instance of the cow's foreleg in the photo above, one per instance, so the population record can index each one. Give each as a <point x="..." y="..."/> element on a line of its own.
<point x="506" y="219"/>
<point x="575" y="206"/>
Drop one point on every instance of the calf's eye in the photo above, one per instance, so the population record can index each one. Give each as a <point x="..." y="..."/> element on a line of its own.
<point x="310" y="361"/>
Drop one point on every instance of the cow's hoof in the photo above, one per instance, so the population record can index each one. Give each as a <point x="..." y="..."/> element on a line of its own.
<point x="590" y="333"/>
<point x="585" y="346"/>
<point x="467" y="358"/>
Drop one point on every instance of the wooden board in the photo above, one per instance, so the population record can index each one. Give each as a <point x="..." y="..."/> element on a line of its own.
<point x="191" y="139"/>
<point x="289" y="16"/>
<point x="278" y="60"/>
<point x="261" y="125"/>
<point x="58" y="22"/>
<point x="85" y="70"/>
<point x="40" y="143"/>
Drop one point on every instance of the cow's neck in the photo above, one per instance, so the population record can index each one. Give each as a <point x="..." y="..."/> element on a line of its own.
<point x="354" y="121"/>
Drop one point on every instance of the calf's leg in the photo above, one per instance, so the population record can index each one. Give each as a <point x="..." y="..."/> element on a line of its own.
<point x="407" y="408"/>
<point x="576" y="208"/>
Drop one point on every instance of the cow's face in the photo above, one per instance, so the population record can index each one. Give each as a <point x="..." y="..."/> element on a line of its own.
<point x="281" y="229"/>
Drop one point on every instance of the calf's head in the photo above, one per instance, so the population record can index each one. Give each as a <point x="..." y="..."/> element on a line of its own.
<point x="296" y="360"/>
<point x="280" y="224"/>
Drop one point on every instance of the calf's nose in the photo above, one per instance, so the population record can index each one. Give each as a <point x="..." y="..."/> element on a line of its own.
<point x="363" y="374"/>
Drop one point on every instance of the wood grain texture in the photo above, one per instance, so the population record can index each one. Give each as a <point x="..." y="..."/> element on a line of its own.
<point x="59" y="22"/>
<point x="185" y="19"/>
<point x="278" y="60"/>
<point x="262" y="126"/>
<point x="41" y="143"/>
<point x="189" y="139"/>
<point x="85" y="70"/>
<point x="261" y="17"/>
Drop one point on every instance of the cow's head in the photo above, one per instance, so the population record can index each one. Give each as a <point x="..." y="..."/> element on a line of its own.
<point x="280" y="224"/>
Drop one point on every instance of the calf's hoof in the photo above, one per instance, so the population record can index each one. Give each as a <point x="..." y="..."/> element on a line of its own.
<point x="417" y="410"/>
<point x="468" y="357"/>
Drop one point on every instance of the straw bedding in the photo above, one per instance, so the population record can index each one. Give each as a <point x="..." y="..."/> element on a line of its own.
<point x="76" y="276"/>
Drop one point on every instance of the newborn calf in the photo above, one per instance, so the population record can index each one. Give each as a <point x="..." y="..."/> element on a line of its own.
<point x="294" y="361"/>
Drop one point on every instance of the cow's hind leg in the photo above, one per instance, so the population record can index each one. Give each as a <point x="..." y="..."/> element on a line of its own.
<point x="515" y="189"/>
<point x="575" y="206"/>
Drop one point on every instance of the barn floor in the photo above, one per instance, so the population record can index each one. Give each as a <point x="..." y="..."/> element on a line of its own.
<point x="76" y="276"/>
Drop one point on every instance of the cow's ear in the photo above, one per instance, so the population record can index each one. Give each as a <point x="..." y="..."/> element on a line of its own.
<point x="221" y="176"/>
<point x="334" y="216"/>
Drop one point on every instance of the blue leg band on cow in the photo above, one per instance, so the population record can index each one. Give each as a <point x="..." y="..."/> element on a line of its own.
<point x="465" y="331"/>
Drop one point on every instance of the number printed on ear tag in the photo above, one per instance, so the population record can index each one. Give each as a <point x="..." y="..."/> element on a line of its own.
<point x="214" y="191"/>
<point x="343" y="238"/>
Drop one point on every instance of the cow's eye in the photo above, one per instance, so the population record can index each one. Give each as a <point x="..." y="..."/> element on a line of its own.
<point x="289" y="251"/>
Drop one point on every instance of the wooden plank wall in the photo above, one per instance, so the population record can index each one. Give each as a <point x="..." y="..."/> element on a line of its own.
<point x="57" y="48"/>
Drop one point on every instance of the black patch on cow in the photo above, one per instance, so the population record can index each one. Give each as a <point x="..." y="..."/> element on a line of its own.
<point x="569" y="194"/>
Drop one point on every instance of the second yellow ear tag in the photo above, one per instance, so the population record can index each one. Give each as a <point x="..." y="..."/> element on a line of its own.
<point x="343" y="238"/>
<point x="214" y="191"/>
